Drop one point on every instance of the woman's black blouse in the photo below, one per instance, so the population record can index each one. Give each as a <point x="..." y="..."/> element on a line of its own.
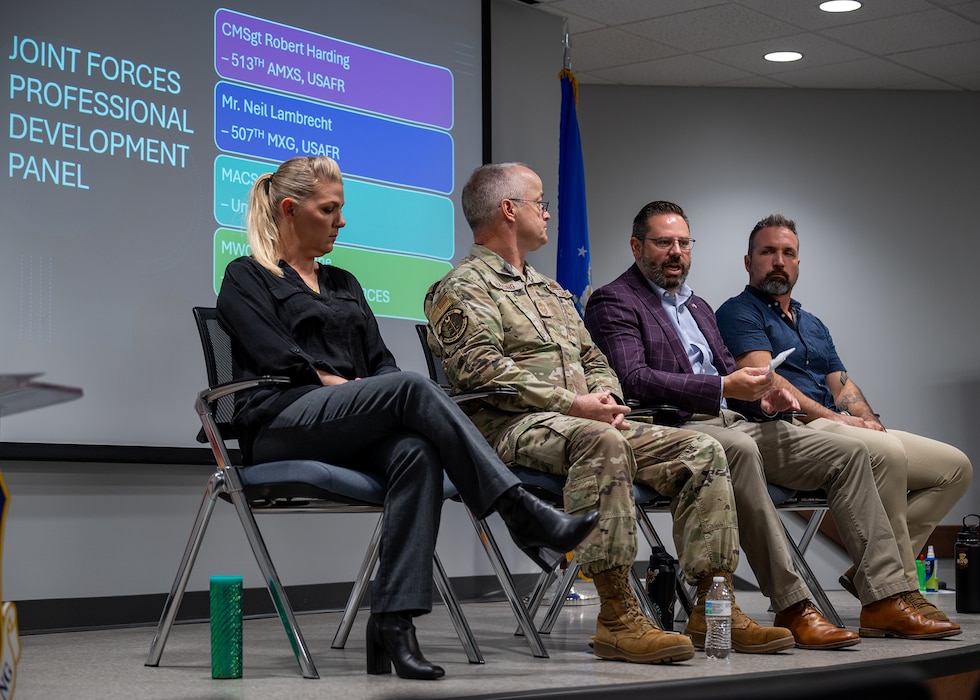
<point x="279" y="326"/>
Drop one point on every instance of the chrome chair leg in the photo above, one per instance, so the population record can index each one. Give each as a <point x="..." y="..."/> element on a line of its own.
<point x="276" y="590"/>
<point x="820" y="596"/>
<point x="510" y="590"/>
<point x="215" y="486"/>
<point x="558" y="602"/>
<point x="361" y="582"/>
<point x="812" y="527"/>
<point x="463" y="630"/>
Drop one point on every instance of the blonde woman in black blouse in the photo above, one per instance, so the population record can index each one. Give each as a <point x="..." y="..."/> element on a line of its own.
<point x="349" y="404"/>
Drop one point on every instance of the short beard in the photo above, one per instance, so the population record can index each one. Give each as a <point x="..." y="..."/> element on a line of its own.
<point x="775" y="286"/>
<point x="657" y="276"/>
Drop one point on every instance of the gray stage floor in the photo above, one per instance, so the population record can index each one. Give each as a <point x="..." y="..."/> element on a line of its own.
<point x="109" y="665"/>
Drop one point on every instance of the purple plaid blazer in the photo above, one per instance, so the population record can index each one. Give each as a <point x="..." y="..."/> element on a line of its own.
<point x="629" y="324"/>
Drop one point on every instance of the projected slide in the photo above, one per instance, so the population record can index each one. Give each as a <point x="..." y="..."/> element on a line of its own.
<point x="132" y="136"/>
<point x="308" y="94"/>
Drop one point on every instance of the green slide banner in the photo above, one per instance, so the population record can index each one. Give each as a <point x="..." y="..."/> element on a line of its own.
<point x="394" y="284"/>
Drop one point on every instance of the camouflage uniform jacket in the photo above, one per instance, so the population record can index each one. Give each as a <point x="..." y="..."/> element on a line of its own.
<point x="495" y="327"/>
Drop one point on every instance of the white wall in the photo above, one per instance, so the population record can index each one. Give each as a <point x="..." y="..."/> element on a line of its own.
<point x="526" y="100"/>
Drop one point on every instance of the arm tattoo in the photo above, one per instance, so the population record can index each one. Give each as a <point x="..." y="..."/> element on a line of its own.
<point x="845" y="401"/>
<point x="843" y="378"/>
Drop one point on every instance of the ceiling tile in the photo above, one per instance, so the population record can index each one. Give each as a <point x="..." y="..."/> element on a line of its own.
<point x="918" y="44"/>
<point x="576" y="24"/>
<point x="970" y="10"/>
<point x="967" y="81"/>
<point x="711" y="28"/>
<point x="611" y="47"/>
<point x="866" y="74"/>
<point x="756" y="81"/>
<point x="809" y="16"/>
<point x="918" y="30"/>
<point x="958" y="59"/>
<point x="816" y="50"/>
<point x="592" y="79"/>
<point x="615" y="12"/>
<point x="686" y="69"/>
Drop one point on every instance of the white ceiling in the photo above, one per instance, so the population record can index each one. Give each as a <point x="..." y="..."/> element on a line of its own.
<point x="887" y="44"/>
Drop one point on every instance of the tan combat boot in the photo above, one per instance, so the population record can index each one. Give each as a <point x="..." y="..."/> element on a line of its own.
<point x="624" y="633"/>
<point x="748" y="637"/>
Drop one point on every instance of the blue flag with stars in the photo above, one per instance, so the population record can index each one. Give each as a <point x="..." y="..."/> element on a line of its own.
<point x="574" y="264"/>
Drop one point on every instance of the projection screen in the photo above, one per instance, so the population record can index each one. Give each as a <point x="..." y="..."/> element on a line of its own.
<point x="132" y="134"/>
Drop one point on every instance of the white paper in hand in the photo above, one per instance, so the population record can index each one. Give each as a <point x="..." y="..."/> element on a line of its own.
<point x="780" y="359"/>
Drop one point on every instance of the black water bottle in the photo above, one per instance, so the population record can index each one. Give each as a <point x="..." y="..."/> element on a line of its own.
<point x="661" y="579"/>
<point x="966" y="560"/>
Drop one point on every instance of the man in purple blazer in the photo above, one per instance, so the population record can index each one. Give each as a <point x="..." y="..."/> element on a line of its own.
<point x="663" y="342"/>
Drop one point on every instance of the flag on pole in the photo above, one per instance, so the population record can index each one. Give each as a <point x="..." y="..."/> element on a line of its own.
<point x="574" y="264"/>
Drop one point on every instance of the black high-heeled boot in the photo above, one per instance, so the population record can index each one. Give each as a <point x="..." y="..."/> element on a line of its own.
<point x="391" y="640"/>
<point x="542" y="532"/>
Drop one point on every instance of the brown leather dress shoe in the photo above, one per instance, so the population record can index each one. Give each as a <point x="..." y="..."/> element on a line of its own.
<point x="925" y="607"/>
<point x="811" y="630"/>
<point x="914" y="598"/>
<point x="896" y="617"/>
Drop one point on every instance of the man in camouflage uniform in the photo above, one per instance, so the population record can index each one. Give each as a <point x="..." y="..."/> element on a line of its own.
<point x="496" y="322"/>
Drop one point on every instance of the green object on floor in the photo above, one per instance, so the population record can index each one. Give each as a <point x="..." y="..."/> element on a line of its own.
<point x="920" y="571"/>
<point x="226" y="626"/>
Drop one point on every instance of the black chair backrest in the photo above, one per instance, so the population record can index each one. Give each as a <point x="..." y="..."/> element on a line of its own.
<point x="218" y="358"/>
<point x="432" y="362"/>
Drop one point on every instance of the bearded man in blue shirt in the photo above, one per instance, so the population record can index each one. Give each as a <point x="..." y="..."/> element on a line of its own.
<point x="919" y="480"/>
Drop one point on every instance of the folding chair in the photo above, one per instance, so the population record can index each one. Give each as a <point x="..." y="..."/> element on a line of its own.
<point x="485" y="534"/>
<point x="292" y="486"/>
<point x="816" y="502"/>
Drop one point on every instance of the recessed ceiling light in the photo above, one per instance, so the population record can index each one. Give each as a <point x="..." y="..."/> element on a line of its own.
<point x="783" y="56"/>
<point x="840" y="6"/>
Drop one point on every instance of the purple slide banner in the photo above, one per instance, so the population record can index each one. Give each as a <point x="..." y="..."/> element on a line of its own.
<point x="260" y="52"/>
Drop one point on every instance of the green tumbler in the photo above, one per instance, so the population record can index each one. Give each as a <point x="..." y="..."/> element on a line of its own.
<point x="226" y="626"/>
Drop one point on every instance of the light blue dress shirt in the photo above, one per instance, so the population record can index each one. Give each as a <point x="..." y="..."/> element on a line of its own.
<point x="698" y="352"/>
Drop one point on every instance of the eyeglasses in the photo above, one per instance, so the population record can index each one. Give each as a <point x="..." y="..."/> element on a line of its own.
<point x="684" y="244"/>
<point x="542" y="204"/>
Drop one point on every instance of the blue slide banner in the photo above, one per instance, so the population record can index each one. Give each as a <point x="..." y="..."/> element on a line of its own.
<point x="276" y="127"/>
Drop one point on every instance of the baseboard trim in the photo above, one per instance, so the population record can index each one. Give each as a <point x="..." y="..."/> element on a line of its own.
<point x="79" y="614"/>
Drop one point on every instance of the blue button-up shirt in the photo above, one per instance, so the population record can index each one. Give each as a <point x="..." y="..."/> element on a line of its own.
<point x="755" y="321"/>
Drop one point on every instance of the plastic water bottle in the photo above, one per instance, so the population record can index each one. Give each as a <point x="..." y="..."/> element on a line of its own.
<point x="718" y="615"/>
<point x="932" y="571"/>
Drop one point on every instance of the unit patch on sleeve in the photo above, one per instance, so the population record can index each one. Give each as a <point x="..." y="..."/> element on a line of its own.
<point x="452" y="326"/>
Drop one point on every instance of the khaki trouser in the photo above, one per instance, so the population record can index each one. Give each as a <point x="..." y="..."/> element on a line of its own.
<point x="919" y="480"/>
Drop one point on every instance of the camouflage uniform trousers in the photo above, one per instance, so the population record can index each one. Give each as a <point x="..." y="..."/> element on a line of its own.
<point x="601" y="462"/>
